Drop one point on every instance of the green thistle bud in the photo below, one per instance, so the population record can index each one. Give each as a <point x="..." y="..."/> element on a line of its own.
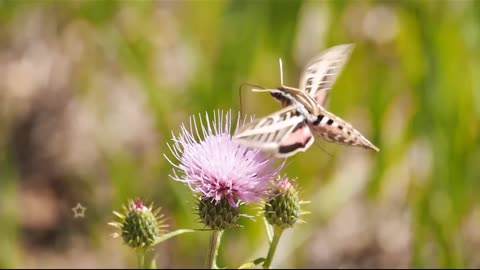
<point x="140" y="225"/>
<point x="217" y="215"/>
<point x="282" y="209"/>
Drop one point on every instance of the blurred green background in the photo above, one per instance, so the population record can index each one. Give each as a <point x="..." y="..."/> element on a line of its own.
<point x="90" y="92"/>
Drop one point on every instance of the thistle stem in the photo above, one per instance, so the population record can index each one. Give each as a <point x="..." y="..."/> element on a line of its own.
<point x="149" y="261"/>
<point x="215" y="238"/>
<point x="277" y="233"/>
<point x="145" y="259"/>
<point x="140" y="258"/>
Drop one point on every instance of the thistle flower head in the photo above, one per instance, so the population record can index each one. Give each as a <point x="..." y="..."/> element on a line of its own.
<point x="282" y="208"/>
<point x="217" y="215"/>
<point x="217" y="168"/>
<point x="139" y="225"/>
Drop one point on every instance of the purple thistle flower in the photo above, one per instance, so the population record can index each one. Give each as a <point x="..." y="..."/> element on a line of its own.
<point x="213" y="165"/>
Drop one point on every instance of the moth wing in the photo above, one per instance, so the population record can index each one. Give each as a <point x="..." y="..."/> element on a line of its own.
<point x="321" y="73"/>
<point x="284" y="133"/>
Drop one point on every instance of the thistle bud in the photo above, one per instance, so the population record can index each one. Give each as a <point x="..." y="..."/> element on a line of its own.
<point x="217" y="215"/>
<point x="140" y="225"/>
<point x="282" y="208"/>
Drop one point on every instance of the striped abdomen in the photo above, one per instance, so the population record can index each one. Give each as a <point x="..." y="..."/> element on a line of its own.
<point x="334" y="129"/>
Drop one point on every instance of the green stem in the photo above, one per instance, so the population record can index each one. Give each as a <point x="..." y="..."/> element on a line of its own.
<point x="149" y="261"/>
<point x="145" y="259"/>
<point x="277" y="233"/>
<point x="145" y="256"/>
<point x="172" y="234"/>
<point x="140" y="258"/>
<point x="215" y="238"/>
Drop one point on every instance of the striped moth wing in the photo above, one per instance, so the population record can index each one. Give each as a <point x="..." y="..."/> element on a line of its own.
<point x="284" y="133"/>
<point x="321" y="73"/>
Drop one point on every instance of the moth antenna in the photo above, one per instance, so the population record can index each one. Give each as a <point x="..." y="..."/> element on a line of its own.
<point x="281" y="71"/>
<point x="240" y="94"/>
<point x="261" y="90"/>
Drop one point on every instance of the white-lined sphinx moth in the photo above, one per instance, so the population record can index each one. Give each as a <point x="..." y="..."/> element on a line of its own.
<point x="292" y="129"/>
